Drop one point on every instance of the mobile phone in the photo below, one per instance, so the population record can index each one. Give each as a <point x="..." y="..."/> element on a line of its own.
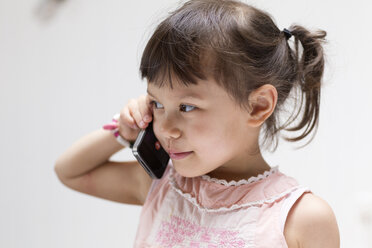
<point x="149" y="153"/>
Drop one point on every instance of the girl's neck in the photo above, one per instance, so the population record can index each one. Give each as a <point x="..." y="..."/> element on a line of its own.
<point x="256" y="166"/>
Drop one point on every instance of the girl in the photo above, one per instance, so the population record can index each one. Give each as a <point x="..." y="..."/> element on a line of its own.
<point x="219" y="73"/>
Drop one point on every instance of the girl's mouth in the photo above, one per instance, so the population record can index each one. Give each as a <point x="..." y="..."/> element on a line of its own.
<point x="179" y="155"/>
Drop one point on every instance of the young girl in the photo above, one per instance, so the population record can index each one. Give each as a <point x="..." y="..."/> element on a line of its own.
<point x="219" y="73"/>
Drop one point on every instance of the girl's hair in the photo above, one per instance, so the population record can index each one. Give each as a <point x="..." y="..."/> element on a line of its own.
<point x="241" y="48"/>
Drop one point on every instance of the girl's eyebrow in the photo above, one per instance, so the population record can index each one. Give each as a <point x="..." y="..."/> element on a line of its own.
<point x="182" y="96"/>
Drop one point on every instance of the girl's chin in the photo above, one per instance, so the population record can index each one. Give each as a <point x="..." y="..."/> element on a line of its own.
<point x="185" y="170"/>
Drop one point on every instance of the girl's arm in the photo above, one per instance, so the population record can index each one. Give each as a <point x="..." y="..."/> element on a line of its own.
<point x="85" y="166"/>
<point x="96" y="148"/>
<point x="86" y="154"/>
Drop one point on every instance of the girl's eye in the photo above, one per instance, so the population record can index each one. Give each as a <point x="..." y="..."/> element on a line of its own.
<point x="182" y="106"/>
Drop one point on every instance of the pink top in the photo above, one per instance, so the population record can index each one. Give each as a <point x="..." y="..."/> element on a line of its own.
<point x="208" y="212"/>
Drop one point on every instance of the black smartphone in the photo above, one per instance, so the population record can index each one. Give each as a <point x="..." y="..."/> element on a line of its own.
<point x="149" y="153"/>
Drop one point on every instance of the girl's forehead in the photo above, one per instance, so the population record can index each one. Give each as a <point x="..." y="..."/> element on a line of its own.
<point x="190" y="92"/>
<point x="178" y="93"/>
<point x="202" y="90"/>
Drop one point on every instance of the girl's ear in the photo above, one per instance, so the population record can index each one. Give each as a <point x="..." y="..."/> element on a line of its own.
<point x="262" y="104"/>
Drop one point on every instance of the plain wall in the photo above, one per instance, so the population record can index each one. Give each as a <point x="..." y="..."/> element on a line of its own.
<point x="64" y="76"/>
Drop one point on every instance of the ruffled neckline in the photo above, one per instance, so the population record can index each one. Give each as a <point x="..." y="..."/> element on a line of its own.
<point x="216" y="195"/>
<point x="250" y="180"/>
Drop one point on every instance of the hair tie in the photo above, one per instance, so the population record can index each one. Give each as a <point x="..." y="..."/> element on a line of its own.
<point x="287" y="33"/>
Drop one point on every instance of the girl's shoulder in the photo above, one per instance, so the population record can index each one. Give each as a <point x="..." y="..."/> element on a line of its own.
<point x="311" y="223"/>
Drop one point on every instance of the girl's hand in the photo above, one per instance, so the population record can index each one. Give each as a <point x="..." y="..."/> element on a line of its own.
<point x="136" y="111"/>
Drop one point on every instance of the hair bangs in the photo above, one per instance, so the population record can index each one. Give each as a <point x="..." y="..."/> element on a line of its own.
<point x="171" y="56"/>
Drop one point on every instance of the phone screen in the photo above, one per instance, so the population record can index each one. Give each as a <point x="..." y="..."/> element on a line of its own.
<point x="149" y="153"/>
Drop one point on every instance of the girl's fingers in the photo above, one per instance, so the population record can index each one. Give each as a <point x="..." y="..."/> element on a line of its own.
<point x="145" y="110"/>
<point x="137" y="113"/>
<point x="134" y="109"/>
<point x="149" y="107"/>
<point x="128" y="118"/>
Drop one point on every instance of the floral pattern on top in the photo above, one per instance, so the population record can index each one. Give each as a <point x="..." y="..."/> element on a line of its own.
<point x="178" y="232"/>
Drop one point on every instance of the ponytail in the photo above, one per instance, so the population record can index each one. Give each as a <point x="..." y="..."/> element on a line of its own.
<point x="309" y="71"/>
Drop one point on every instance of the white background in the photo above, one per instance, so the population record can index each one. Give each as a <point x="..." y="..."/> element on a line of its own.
<point x="64" y="76"/>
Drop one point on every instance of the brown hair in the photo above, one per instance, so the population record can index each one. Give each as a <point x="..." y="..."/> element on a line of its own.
<point x="241" y="48"/>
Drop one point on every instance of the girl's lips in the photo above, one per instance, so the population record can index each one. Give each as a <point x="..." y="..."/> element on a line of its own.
<point x="179" y="155"/>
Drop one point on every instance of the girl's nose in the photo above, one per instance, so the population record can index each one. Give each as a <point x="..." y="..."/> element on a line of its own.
<point x="169" y="128"/>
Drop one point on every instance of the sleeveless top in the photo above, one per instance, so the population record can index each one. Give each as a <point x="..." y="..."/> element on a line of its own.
<point x="208" y="212"/>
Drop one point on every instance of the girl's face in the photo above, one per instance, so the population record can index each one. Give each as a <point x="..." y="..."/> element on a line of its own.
<point x="202" y="119"/>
